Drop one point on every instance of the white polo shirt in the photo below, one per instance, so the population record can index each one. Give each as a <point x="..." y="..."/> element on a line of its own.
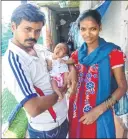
<point x="21" y="72"/>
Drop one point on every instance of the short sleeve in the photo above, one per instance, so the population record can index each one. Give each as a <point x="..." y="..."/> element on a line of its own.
<point x="74" y="56"/>
<point x="117" y="58"/>
<point x="17" y="78"/>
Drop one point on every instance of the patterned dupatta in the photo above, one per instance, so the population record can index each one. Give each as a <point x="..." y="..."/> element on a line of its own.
<point x="100" y="56"/>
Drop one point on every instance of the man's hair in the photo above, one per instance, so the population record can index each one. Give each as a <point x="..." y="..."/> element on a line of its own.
<point x="28" y="12"/>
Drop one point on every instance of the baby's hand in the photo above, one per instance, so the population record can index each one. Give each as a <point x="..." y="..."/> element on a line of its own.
<point x="60" y="96"/>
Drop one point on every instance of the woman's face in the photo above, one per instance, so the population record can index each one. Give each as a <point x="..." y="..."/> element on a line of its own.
<point x="89" y="30"/>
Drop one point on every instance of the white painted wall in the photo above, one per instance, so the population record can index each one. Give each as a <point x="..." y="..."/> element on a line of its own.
<point x="45" y="10"/>
<point x="85" y="5"/>
<point x="53" y="28"/>
<point x="111" y="23"/>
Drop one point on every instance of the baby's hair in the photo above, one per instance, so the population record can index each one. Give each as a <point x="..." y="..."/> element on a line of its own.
<point x="67" y="48"/>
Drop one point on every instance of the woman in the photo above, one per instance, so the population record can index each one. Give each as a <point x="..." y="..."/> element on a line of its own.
<point x="97" y="61"/>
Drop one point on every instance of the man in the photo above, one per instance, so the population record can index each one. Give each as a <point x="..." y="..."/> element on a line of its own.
<point x="25" y="66"/>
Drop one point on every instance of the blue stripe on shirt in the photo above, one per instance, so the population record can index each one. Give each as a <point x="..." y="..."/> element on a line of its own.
<point x="18" y="107"/>
<point x="18" y="75"/>
<point x="17" y="57"/>
<point x="17" y="78"/>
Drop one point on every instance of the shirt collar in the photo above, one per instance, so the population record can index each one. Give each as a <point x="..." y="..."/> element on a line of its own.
<point x="20" y="52"/>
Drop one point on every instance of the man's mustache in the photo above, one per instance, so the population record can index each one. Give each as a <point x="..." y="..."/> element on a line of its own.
<point x="31" y="39"/>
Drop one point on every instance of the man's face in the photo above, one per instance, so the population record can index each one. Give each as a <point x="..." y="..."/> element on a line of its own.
<point x="26" y="34"/>
<point x="89" y="30"/>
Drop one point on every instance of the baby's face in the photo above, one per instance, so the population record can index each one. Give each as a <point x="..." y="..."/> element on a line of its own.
<point x="60" y="50"/>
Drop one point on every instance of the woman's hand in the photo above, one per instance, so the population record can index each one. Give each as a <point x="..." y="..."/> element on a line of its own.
<point x="91" y="116"/>
<point x="72" y="78"/>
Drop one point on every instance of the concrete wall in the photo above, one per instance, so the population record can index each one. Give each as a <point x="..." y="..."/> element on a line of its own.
<point x="111" y="23"/>
<point x="85" y="5"/>
<point x="45" y="10"/>
<point x="51" y="20"/>
<point x="124" y="34"/>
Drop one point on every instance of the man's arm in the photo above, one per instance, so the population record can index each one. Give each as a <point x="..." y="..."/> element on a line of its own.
<point x="22" y="86"/>
<point x="37" y="105"/>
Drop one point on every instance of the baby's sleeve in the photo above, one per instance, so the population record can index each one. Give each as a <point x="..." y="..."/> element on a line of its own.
<point x="65" y="58"/>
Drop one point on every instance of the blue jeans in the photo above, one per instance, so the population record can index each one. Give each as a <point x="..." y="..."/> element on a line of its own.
<point x="59" y="132"/>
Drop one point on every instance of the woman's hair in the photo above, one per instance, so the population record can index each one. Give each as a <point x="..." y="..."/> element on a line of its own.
<point x="28" y="12"/>
<point x="89" y="13"/>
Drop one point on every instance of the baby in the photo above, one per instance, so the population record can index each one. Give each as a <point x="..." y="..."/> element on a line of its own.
<point x="58" y="67"/>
